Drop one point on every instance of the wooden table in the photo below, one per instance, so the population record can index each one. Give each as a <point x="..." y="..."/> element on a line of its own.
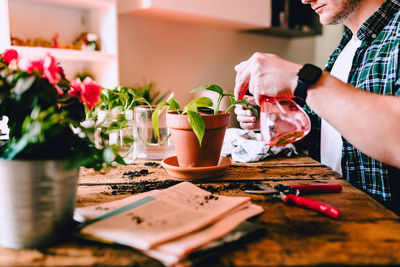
<point x="366" y="234"/>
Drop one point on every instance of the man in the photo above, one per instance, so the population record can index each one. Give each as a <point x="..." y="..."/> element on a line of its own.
<point x="354" y="104"/>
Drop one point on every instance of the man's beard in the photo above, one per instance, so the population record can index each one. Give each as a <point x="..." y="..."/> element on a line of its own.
<point x="347" y="8"/>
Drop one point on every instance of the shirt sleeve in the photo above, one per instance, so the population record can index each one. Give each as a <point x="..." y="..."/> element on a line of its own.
<point x="397" y="85"/>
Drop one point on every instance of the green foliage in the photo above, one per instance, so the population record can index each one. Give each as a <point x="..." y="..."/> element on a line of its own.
<point x="121" y="97"/>
<point x="197" y="106"/>
<point x="245" y="104"/>
<point x="82" y="75"/>
<point x="197" y="123"/>
<point x="126" y="98"/>
<point x="118" y="103"/>
<point x="45" y="123"/>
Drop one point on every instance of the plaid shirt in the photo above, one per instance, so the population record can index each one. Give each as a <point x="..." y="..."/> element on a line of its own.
<point x="375" y="69"/>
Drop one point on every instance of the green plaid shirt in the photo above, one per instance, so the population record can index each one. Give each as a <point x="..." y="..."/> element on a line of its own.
<point x="375" y="69"/>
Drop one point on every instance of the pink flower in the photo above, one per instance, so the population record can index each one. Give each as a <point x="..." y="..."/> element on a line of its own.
<point x="76" y="88"/>
<point x="50" y="69"/>
<point x="88" y="91"/>
<point x="61" y="71"/>
<point x="10" y="55"/>
<point x="31" y="64"/>
<point x="46" y="66"/>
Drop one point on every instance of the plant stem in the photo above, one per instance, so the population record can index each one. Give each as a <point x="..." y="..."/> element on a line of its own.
<point x="216" y="111"/>
<point x="231" y="106"/>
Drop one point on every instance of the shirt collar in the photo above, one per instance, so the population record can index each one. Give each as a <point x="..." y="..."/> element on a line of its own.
<point x="374" y="24"/>
<point x="368" y="30"/>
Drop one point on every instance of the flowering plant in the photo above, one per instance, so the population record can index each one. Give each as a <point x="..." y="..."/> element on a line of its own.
<point x="45" y="113"/>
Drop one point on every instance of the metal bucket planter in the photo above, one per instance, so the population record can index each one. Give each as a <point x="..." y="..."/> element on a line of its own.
<point x="37" y="200"/>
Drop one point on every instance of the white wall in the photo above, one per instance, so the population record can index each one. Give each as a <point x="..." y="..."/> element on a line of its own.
<point x="326" y="43"/>
<point x="181" y="56"/>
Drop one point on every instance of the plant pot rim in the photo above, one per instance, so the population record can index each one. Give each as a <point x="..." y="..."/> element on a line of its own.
<point x="212" y="121"/>
<point x="177" y="113"/>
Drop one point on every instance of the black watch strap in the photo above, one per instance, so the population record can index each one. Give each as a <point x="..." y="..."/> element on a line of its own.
<point x="308" y="75"/>
<point x="301" y="89"/>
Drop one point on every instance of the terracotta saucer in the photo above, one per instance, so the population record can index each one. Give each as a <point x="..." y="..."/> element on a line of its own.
<point x="173" y="169"/>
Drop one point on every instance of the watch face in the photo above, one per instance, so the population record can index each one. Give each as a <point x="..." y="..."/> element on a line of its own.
<point x="309" y="73"/>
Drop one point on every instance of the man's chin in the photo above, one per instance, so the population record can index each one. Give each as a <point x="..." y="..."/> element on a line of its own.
<point x="328" y="21"/>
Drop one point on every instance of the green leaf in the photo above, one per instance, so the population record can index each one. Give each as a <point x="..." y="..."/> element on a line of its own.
<point x="24" y="84"/>
<point x="199" y="102"/>
<point x="17" y="147"/>
<point x="199" y="89"/>
<point x="203" y="102"/>
<point x="198" y="125"/>
<point x="128" y="139"/>
<point x="114" y="126"/>
<point x="154" y="117"/>
<point x="105" y="93"/>
<point x="244" y="103"/>
<point x="173" y="105"/>
<point x="120" y="160"/>
<point x="142" y="99"/>
<point x="191" y="106"/>
<point x="127" y="97"/>
<point x="212" y="87"/>
<point x="254" y="111"/>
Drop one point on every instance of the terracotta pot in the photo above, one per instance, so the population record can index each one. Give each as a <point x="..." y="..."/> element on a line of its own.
<point x="187" y="148"/>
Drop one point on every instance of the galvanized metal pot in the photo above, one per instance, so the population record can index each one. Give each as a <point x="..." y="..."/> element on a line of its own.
<point x="37" y="200"/>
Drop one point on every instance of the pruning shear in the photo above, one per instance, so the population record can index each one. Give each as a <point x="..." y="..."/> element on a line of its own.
<point x="290" y="194"/>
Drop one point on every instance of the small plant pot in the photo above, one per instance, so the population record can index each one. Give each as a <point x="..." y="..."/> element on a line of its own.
<point x="37" y="202"/>
<point x="187" y="147"/>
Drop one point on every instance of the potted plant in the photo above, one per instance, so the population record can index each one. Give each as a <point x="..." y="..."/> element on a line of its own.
<point x="47" y="144"/>
<point x="198" y="130"/>
<point x="114" y="117"/>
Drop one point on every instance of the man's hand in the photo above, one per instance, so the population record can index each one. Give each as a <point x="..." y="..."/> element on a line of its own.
<point x="245" y="117"/>
<point x="266" y="75"/>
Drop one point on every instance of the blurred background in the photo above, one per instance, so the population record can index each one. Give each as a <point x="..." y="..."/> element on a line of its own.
<point x="176" y="44"/>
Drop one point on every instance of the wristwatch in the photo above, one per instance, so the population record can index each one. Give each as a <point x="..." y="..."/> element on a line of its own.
<point x="308" y="75"/>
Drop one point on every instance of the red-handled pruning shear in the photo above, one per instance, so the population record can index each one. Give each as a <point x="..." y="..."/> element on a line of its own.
<point x="290" y="194"/>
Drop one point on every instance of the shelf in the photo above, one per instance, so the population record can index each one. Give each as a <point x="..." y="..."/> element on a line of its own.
<point x="41" y="19"/>
<point x="236" y="14"/>
<point x="285" y="32"/>
<point x="290" y="19"/>
<point x="87" y="4"/>
<point x="68" y="54"/>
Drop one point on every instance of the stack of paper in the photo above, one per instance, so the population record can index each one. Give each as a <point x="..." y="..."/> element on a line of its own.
<point x="166" y="224"/>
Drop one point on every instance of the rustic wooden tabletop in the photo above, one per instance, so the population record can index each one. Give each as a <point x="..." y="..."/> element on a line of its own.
<point x="366" y="234"/>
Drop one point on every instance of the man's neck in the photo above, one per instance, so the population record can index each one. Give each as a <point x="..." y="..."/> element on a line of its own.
<point x="365" y="9"/>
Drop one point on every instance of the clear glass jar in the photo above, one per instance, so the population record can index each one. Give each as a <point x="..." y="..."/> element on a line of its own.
<point x="148" y="146"/>
<point x="116" y="128"/>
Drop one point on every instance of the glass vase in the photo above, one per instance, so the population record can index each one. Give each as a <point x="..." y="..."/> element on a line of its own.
<point x="116" y="128"/>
